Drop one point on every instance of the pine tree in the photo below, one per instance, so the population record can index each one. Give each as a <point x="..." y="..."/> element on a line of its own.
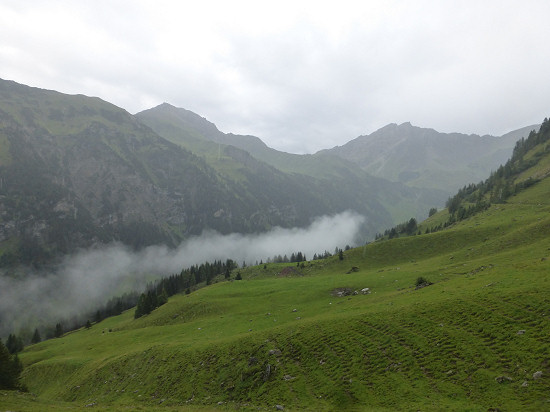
<point x="14" y="344"/>
<point x="10" y="369"/>
<point x="162" y="298"/>
<point x="36" y="337"/>
<point x="140" y="308"/>
<point x="98" y="317"/>
<point x="58" y="330"/>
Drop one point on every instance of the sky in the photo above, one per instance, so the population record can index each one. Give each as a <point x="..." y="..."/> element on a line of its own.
<point x="301" y="75"/>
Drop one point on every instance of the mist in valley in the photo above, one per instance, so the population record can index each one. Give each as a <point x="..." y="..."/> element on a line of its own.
<point x="88" y="279"/>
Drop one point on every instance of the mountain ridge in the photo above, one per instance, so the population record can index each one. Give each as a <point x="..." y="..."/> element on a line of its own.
<point x="424" y="157"/>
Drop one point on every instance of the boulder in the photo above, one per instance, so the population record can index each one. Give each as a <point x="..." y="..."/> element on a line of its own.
<point x="503" y="379"/>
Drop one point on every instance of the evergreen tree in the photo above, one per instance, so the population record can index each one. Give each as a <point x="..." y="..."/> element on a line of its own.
<point x="97" y="317"/>
<point x="36" y="337"/>
<point x="58" y="330"/>
<point x="14" y="344"/>
<point x="140" y="308"/>
<point x="162" y="298"/>
<point x="10" y="369"/>
<point x="88" y="324"/>
<point x="341" y="254"/>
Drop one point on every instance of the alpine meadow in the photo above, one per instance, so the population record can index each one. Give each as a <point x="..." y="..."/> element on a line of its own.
<point x="152" y="262"/>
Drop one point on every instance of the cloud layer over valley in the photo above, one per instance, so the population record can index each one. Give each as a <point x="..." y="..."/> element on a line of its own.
<point x="89" y="278"/>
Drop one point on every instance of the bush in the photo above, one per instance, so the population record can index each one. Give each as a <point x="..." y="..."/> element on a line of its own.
<point x="422" y="282"/>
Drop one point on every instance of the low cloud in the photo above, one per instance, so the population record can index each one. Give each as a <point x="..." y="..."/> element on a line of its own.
<point x="86" y="280"/>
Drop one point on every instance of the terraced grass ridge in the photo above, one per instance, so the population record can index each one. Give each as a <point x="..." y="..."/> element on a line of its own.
<point x="283" y="338"/>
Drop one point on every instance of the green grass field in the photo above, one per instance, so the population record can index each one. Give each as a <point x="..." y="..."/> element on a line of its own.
<point x="469" y="342"/>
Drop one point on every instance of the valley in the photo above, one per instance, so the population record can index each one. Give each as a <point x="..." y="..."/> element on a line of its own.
<point x="475" y="339"/>
<point x="452" y="316"/>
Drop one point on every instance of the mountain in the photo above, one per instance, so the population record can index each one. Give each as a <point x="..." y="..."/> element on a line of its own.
<point x="326" y="172"/>
<point x="455" y="319"/>
<point x="77" y="171"/>
<point x="421" y="157"/>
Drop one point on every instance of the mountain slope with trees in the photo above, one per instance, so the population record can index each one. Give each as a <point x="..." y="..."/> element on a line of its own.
<point x="76" y="171"/>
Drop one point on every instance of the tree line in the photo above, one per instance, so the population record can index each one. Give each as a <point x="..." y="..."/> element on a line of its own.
<point x="157" y="293"/>
<point x="497" y="188"/>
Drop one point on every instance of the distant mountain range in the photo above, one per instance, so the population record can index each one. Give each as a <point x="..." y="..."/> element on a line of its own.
<point x="425" y="158"/>
<point x="76" y="171"/>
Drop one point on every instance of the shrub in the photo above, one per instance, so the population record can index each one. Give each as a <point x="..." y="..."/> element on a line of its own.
<point x="422" y="282"/>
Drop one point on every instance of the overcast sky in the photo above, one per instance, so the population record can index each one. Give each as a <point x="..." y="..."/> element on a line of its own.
<point x="301" y="75"/>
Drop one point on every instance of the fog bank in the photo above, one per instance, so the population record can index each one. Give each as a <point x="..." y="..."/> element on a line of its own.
<point x="86" y="280"/>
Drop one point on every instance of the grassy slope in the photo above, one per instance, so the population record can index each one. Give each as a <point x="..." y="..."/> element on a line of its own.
<point x="439" y="347"/>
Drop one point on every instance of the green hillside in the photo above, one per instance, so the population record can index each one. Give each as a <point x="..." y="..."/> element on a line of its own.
<point x="476" y="339"/>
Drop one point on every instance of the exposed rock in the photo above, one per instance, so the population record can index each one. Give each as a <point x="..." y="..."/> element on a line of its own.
<point x="267" y="372"/>
<point x="521" y="332"/>
<point x="537" y="375"/>
<point x="525" y="384"/>
<point x="365" y="291"/>
<point x="503" y="379"/>
<point x="341" y="292"/>
<point x="275" y="352"/>
<point x="280" y="407"/>
<point x="288" y="378"/>
<point x="421" y="285"/>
